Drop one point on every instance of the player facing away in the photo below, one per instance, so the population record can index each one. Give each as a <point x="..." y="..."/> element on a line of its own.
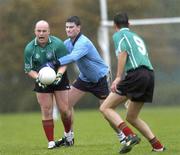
<point x="93" y="72"/>
<point x="39" y="51"/>
<point x="137" y="85"/>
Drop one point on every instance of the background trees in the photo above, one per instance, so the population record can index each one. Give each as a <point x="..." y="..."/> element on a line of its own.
<point x="17" y="19"/>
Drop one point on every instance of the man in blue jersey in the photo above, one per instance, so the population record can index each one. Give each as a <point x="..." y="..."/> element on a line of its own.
<point x="93" y="70"/>
<point x="137" y="85"/>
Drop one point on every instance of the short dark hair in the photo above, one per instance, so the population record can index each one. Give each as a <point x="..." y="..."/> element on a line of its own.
<point x="74" y="19"/>
<point x="121" y="20"/>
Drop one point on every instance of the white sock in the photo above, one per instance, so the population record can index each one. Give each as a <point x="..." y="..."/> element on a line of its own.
<point x="72" y="134"/>
<point x="69" y="135"/>
<point x="121" y="137"/>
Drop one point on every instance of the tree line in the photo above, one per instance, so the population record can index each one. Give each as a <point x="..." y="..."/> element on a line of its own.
<point x="17" y="19"/>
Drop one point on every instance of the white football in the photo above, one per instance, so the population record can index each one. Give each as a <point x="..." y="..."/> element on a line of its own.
<point x="47" y="75"/>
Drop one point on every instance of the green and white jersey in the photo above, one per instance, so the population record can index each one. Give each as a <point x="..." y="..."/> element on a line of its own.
<point x="126" y="40"/>
<point x="35" y="56"/>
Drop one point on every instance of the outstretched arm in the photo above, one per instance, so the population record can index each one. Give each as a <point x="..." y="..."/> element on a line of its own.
<point x="78" y="52"/>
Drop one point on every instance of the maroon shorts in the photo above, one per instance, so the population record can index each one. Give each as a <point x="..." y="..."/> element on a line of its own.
<point x="138" y="85"/>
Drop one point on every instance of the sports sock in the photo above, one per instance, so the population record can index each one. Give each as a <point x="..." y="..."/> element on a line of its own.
<point x="121" y="137"/>
<point x="125" y="129"/>
<point x="69" y="136"/>
<point x="72" y="133"/>
<point x="156" y="143"/>
<point x="48" y="126"/>
<point x="67" y="124"/>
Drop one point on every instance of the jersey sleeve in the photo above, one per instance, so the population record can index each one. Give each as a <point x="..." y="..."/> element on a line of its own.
<point x="80" y="49"/>
<point x="122" y="45"/>
<point x="119" y="43"/>
<point x="27" y="60"/>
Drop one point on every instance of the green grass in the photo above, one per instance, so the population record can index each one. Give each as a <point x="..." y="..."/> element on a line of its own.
<point x="22" y="134"/>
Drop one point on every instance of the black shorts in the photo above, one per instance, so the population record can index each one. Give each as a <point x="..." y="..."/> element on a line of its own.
<point x="99" y="89"/>
<point x="138" y="85"/>
<point x="63" y="85"/>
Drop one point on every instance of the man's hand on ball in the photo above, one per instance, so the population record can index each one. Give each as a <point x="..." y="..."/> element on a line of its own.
<point x="58" y="78"/>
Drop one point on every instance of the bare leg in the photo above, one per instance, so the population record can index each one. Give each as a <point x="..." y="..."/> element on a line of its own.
<point x="108" y="106"/>
<point x="132" y="117"/>
<point x="46" y="104"/>
<point x="74" y="96"/>
<point x="119" y="133"/>
<point x="45" y="101"/>
<point x="108" y="110"/>
<point x="63" y="106"/>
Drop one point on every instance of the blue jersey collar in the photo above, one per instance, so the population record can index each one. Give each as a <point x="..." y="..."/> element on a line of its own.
<point x="73" y="43"/>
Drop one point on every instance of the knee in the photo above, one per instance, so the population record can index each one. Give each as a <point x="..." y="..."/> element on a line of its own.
<point x="65" y="113"/>
<point x="102" y="108"/>
<point x="46" y="112"/>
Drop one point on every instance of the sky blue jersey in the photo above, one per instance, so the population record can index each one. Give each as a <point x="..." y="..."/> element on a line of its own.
<point x="83" y="52"/>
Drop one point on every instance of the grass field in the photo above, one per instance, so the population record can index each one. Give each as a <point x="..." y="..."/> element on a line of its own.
<point x="21" y="134"/>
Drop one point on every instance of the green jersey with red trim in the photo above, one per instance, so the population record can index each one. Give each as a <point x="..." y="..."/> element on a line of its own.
<point x="128" y="41"/>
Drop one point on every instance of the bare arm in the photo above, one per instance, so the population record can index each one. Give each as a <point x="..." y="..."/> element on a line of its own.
<point x="122" y="57"/>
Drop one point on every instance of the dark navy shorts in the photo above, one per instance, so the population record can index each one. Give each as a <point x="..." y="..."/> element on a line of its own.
<point x="138" y="85"/>
<point x="63" y="85"/>
<point x="99" y="89"/>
